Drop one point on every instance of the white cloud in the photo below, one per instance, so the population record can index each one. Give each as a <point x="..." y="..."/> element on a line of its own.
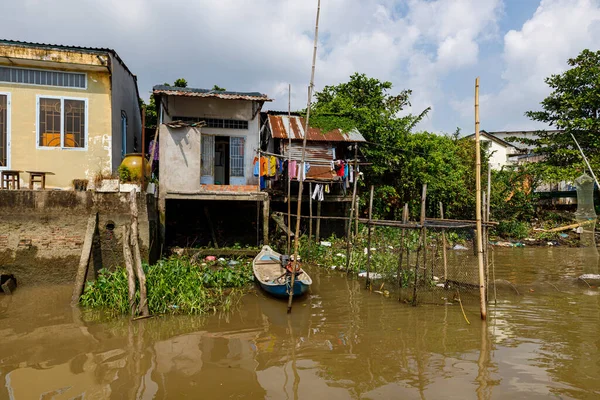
<point x="558" y="30"/>
<point x="265" y="44"/>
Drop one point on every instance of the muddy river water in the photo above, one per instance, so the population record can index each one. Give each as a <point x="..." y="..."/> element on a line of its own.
<point x="339" y="342"/>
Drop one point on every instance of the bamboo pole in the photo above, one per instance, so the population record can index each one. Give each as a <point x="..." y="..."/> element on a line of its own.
<point x="84" y="261"/>
<point x="318" y="227"/>
<point x="310" y="214"/>
<point x="586" y="160"/>
<point x="128" y="257"/>
<point x="289" y="180"/>
<point x="444" y="254"/>
<point x="369" y="237"/>
<point x="137" y="255"/>
<point x="310" y="89"/>
<point x="402" y="235"/>
<point x="424" y="229"/>
<point x="355" y="183"/>
<point x="482" y="303"/>
<point x="349" y="227"/>
<point x="422" y="243"/>
<point x="143" y="179"/>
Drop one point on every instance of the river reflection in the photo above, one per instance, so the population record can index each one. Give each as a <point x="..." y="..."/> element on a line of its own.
<point x="339" y="342"/>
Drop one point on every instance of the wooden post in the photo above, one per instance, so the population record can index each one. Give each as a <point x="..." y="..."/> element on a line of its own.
<point x="423" y="229"/>
<point x="310" y="215"/>
<point x="84" y="261"/>
<point x="143" y="179"/>
<point x="482" y="303"/>
<point x="355" y="183"/>
<point x="349" y="227"/>
<point x="370" y="228"/>
<point x="137" y="255"/>
<point x="318" y="228"/>
<point x="266" y="206"/>
<point x="484" y="239"/>
<point x="487" y="231"/>
<point x="399" y="273"/>
<point x="289" y="180"/>
<point x="211" y="227"/>
<point x="422" y="243"/>
<point x="306" y="127"/>
<point x="128" y="257"/>
<point x="444" y="254"/>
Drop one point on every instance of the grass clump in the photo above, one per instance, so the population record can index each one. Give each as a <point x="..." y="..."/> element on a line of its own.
<point x="175" y="286"/>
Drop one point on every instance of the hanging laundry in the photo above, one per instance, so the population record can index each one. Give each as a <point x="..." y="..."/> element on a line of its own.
<point x="263" y="183"/>
<point x="345" y="171"/>
<point x="256" y="166"/>
<point x="292" y="169"/>
<point x="264" y="166"/>
<point x="327" y="189"/>
<point x="272" y="165"/>
<point x="318" y="193"/>
<point x="351" y="175"/>
<point x="340" y="168"/>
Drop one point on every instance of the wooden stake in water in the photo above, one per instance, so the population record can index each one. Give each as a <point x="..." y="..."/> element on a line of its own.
<point x="404" y="221"/>
<point x="422" y="242"/>
<point x="298" y="212"/>
<point x="289" y="180"/>
<point x="444" y="255"/>
<point x="352" y="206"/>
<point x="482" y="302"/>
<point x="370" y="227"/>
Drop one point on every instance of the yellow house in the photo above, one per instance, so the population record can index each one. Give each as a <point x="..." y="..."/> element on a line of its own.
<point x="72" y="111"/>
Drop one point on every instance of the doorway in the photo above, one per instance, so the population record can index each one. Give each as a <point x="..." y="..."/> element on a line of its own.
<point x="221" y="160"/>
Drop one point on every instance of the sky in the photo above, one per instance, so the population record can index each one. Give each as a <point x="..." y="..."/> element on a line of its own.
<point x="436" y="48"/>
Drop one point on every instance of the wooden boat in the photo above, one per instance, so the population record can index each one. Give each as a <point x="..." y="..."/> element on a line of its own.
<point x="272" y="277"/>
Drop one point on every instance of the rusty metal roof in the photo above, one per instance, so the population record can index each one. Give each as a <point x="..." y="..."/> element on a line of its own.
<point x="192" y="92"/>
<point x="279" y="130"/>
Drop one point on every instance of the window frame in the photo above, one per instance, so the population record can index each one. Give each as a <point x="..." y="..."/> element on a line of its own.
<point x="49" y="86"/>
<point x="62" y="123"/>
<point x="8" y="130"/>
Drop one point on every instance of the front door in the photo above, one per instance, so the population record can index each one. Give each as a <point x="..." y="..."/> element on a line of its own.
<point x="236" y="161"/>
<point x="4" y="130"/>
<point x="207" y="176"/>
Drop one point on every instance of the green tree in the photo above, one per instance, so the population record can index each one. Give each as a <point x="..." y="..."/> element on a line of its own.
<point x="573" y="107"/>
<point x="218" y="88"/>
<point x="401" y="161"/>
<point x="180" y="83"/>
<point x="151" y="114"/>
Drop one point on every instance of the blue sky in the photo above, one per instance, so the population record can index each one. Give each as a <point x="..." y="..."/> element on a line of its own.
<point x="436" y="48"/>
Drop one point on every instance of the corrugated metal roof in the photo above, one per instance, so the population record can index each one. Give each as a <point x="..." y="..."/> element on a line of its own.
<point x="192" y="92"/>
<point x="279" y="130"/>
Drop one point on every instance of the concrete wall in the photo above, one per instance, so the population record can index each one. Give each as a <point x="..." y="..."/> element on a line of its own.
<point x="499" y="154"/>
<point x="124" y="98"/>
<point x="74" y="163"/>
<point x="42" y="232"/>
<point x="179" y="106"/>
<point x="179" y="150"/>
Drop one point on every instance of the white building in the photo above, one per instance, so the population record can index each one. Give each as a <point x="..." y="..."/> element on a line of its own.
<point x="501" y="152"/>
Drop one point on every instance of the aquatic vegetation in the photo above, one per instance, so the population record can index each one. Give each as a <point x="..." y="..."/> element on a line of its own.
<point x="175" y="286"/>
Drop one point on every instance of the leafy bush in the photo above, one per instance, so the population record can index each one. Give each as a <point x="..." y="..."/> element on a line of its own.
<point x="124" y="174"/>
<point x="174" y="286"/>
<point x="512" y="229"/>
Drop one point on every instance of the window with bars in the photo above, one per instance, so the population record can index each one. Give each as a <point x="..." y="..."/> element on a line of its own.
<point x="236" y="156"/>
<point x="3" y="130"/>
<point x="43" y="77"/>
<point x="216" y="122"/>
<point x="62" y="122"/>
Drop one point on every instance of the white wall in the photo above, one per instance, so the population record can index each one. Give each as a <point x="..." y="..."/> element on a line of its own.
<point x="179" y="106"/>
<point x="124" y="96"/>
<point x="179" y="163"/>
<point x="499" y="153"/>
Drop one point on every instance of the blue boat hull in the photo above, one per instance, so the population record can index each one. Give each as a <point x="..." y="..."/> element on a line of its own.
<point x="281" y="290"/>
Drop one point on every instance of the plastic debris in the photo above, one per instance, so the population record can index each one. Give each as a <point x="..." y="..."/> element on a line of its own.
<point x="233" y="262"/>
<point x="326" y="244"/>
<point x="563" y="235"/>
<point x="210" y="258"/>
<point x="440" y="285"/>
<point x="221" y="259"/>
<point x="372" y="275"/>
<point x="459" y="247"/>
<point x="340" y="255"/>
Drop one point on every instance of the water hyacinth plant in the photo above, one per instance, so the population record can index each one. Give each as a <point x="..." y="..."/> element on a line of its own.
<point x="174" y="286"/>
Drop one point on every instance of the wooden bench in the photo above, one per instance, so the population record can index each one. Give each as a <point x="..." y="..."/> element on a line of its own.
<point x="11" y="179"/>
<point x="38" y="177"/>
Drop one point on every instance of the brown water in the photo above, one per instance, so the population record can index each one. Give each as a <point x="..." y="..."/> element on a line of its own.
<point x="340" y="342"/>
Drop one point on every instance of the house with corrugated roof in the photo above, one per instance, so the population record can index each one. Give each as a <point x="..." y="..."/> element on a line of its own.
<point x="71" y="112"/>
<point x="208" y="141"/>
